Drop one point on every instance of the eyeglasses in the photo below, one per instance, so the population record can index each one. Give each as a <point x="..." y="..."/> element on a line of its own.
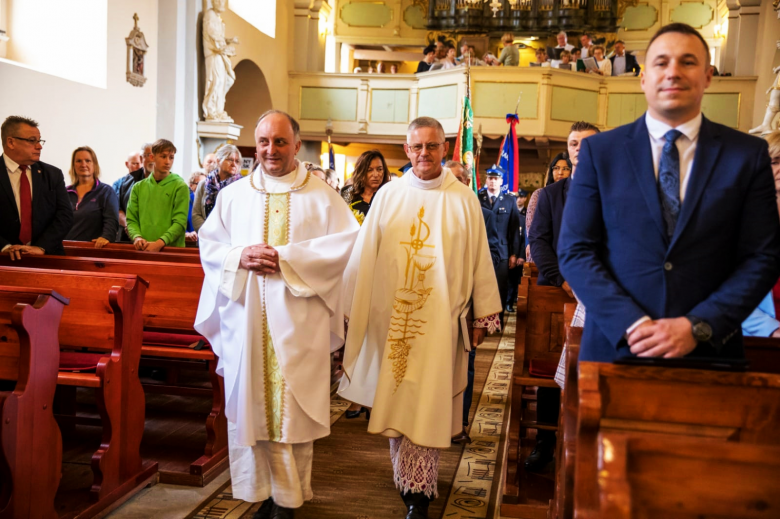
<point x="31" y="140"/>
<point x="559" y="168"/>
<point x="431" y="146"/>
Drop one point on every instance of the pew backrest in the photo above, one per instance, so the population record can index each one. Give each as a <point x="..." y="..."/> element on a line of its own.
<point x="132" y="254"/>
<point x="127" y="247"/>
<point x="642" y="477"/>
<point x="173" y="295"/>
<point x="763" y="354"/>
<point x="96" y="302"/>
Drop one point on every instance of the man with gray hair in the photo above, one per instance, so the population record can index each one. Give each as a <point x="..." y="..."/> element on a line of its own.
<point x="407" y="348"/>
<point x="126" y="186"/>
<point x="273" y="251"/>
<point x="563" y="43"/>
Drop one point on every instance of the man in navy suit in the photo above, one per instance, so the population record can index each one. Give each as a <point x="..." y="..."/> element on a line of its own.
<point x="507" y="217"/>
<point x="461" y="174"/>
<point x="543" y="239"/>
<point x="670" y="233"/>
<point x="35" y="213"/>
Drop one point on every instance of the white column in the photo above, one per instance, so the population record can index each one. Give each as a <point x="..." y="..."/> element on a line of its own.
<point x="748" y="37"/>
<point x="729" y="61"/>
<point x="177" y="80"/>
<point x="302" y="18"/>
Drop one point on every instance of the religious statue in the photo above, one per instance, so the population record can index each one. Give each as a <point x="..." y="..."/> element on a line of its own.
<point x="136" y="52"/>
<point x="219" y="70"/>
<point x="774" y="104"/>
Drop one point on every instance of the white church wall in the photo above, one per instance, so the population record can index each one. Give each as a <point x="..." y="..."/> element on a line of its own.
<point x="113" y="120"/>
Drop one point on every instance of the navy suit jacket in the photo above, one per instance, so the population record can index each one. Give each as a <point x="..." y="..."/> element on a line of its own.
<point x="52" y="215"/>
<point x="545" y="230"/>
<point x="492" y="235"/>
<point x="722" y="260"/>
<point x="507" y="221"/>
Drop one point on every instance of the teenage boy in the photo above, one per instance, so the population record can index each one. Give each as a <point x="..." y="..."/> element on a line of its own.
<point x="158" y="206"/>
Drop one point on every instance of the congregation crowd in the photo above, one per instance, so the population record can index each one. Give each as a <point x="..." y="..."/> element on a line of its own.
<point x="443" y="55"/>
<point x="670" y="247"/>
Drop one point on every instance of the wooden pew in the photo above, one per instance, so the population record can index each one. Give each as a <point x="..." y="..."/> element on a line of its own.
<point x="538" y="340"/>
<point x="104" y="316"/>
<point x="128" y="247"/>
<point x="169" y="308"/>
<point x="686" y="478"/>
<point x="563" y="504"/>
<point x="129" y="254"/>
<point x="668" y="403"/>
<point x="30" y="441"/>
<point x="763" y="354"/>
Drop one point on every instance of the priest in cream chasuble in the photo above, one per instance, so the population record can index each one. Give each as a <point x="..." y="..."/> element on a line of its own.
<point x="273" y="251"/>
<point x="421" y="259"/>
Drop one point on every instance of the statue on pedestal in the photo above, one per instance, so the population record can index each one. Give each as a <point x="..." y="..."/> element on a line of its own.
<point x="219" y="70"/>
<point x="774" y="104"/>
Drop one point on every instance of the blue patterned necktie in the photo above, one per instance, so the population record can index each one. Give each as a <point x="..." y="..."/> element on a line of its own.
<point x="669" y="181"/>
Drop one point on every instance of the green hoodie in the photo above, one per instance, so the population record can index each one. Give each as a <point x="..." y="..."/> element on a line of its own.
<point x="158" y="210"/>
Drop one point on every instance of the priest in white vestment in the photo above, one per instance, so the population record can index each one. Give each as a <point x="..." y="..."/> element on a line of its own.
<point x="274" y="250"/>
<point x="420" y="260"/>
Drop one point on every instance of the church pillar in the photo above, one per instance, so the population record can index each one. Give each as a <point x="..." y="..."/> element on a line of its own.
<point x="316" y="47"/>
<point x="177" y="80"/>
<point x="302" y="19"/>
<point x="748" y="38"/>
<point x="729" y="61"/>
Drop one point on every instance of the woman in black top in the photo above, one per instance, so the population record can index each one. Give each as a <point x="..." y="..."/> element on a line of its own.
<point x="370" y="174"/>
<point x="95" y="205"/>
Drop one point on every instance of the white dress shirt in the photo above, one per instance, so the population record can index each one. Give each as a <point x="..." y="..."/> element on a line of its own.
<point x="584" y="54"/>
<point x="15" y="176"/>
<point x="568" y="47"/>
<point x="686" y="147"/>
<point x="620" y="65"/>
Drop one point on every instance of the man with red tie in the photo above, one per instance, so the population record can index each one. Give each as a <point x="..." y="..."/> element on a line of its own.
<point x="35" y="213"/>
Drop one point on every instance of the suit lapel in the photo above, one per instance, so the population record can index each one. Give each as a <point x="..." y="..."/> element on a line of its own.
<point x="707" y="150"/>
<point x="641" y="157"/>
<point x="5" y="182"/>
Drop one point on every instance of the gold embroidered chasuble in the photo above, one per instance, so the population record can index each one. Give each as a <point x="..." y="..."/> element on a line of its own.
<point x="276" y="235"/>
<point x="273" y="334"/>
<point x="420" y="258"/>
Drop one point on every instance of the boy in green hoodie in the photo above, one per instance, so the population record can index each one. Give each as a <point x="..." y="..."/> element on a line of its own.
<point x="158" y="206"/>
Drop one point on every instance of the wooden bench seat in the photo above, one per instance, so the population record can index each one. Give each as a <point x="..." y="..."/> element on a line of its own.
<point x="30" y="440"/>
<point x="170" y="306"/>
<point x="671" y="404"/>
<point x="654" y="478"/>
<point x="104" y="316"/>
<point x="539" y="337"/>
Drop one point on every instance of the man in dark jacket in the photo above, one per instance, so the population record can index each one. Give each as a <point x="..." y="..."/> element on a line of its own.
<point x="35" y="214"/>
<point x="623" y="62"/>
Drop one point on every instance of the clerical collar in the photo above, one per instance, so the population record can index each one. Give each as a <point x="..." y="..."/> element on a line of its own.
<point x="434" y="183"/>
<point x="286" y="183"/>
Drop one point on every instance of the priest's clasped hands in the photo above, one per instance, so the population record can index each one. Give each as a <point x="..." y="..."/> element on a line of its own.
<point x="261" y="258"/>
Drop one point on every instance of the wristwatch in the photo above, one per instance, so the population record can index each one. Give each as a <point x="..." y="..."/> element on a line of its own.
<point x="701" y="330"/>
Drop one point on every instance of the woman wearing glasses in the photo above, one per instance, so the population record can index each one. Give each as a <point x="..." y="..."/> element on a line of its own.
<point x="560" y="168"/>
<point x="227" y="172"/>
<point x="370" y="174"/>
<point x="95" y="205"/>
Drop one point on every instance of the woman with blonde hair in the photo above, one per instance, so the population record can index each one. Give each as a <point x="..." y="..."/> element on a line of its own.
<point x="510" y="55"/>
<point x="95" y="205"/>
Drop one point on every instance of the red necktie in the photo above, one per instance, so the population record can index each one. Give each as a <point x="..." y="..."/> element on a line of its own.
<point x="25" y="208"/>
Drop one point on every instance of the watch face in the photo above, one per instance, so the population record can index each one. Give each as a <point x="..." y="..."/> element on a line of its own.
<point x="702" y="331"/>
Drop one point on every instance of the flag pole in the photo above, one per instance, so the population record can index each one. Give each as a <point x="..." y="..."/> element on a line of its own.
<point x="475" y="173"/>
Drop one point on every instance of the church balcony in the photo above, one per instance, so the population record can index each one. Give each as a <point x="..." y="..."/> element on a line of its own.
<point x="378" y="107"/>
